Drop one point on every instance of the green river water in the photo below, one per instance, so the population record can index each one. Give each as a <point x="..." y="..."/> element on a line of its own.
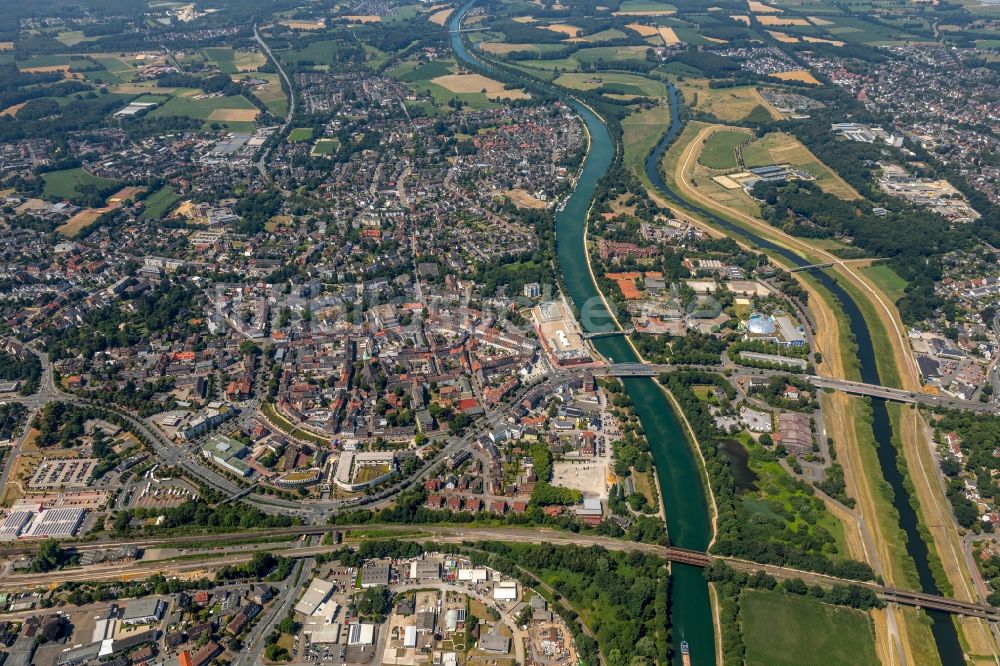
<point x="678" y="472"/>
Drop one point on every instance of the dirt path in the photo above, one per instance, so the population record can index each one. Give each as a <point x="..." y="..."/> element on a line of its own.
<point x="909" y="375"/>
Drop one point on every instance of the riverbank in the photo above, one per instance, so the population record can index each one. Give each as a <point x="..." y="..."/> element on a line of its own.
<point x="797" y="252"/>
<point x="682" y="495"/>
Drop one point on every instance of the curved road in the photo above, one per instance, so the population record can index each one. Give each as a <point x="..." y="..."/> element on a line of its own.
<point x="262" y="162"/>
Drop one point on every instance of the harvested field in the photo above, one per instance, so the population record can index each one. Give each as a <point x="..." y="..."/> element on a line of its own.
<point x="742" y="18"/>
<point x="524" y="19"/>
<point x="800" y="75"/>
<point x="777" y="20"/>
<point x="473" y="83"/>
<point x="761" y="8"/>
<point x="88" y="216"/>
<point x="249" y="61"/>
<point x="783" y="38"/>
<point x="367" y="18"/>
<point x="304" y="25"/>
<point x="234" y="115"/>
<point x="441" y="17"/>
<point x="125" y="194"/>
<point x="48" y="68"/>
<point x="12" y="110"/>
<point x="522" y="199"/>
<point x="820" y="40"/>
<point x="563" y="29"/>
<point x="818" y="21"/>
<point x="133" y="89"/>
<point x="643" y="30"/>
<point x="669" y="36"/>
<point x="503" y="48"/>
<point x="714" y="40"/>
<point x="6" y="46"/>
<point x="80" y="221"/>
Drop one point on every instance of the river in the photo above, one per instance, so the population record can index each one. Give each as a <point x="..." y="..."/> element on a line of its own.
<point x="678" y="472"/>
<point x="944" y="631"/>
<point x="680" y="478"/>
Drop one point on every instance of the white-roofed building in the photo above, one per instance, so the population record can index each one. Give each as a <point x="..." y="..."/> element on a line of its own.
<point x="361" y="634"/>
<point x="318" y="592"/>
<point x="410" y="637"/>
<point x="505" y="591"/>
<point x="477" y="575"/>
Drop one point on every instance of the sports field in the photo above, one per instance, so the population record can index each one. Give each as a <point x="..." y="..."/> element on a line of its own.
<point x="157" y="204"/>
<point x="784" y="629"/>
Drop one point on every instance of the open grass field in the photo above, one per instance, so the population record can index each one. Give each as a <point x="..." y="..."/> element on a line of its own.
<point x="602" y="36"/>
<point x="503" y="48"/>
<point x="726" y="104"/>
<point x="300" y="134"/>
<point x="781" y="148"/>
<point x="63" y="184"/>
<point x="785" y="629"/>
<point x="887" y="280"/>
<point x="249" y="60"/>
<point x="627" y="83"/>
<point x="719" y="151"/>
<point x="271" y="93"/>
<point x="640" y="132"/>
<point x="223" y="57"/>
<point x="159" y="203"/>
<point x="228" y="110"/>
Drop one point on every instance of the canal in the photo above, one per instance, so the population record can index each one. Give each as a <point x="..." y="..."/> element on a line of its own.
<point x="683" y="493"/>
<point x="942" y="627"/>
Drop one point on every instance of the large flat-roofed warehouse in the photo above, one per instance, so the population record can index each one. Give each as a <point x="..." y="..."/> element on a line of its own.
<point x="361" y="634"/>
<point x="375" y="574"/>
<point x="318" y="592"/>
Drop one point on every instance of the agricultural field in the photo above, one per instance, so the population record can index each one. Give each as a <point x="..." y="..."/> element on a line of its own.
<point x="234" y="111"/>
<point x="222" y="57"/>
<point x="783" y="629"/>
<point x="613" y="82"/>
<point x="444" y="82"/>
<point x="727" y="104"/>
<point x="64" y="184"/>
<point x="781" y="148"/>
<point x="719" y="151"/>
<point x="644" y="8"/>
<point x="271" y="93"/>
